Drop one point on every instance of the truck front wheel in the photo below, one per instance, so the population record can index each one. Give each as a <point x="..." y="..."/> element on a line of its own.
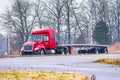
<point x="42" y="52"/>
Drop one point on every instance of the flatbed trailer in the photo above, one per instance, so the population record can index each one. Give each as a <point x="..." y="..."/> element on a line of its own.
<point x="82" y="48"/>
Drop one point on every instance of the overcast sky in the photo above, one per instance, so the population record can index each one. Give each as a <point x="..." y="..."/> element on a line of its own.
<point x="3" y="5"/>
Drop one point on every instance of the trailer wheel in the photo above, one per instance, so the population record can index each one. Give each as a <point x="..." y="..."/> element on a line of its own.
<point x="105" y="50"/>
<point x="63" y="52"/>
<point x="96" y="51"/>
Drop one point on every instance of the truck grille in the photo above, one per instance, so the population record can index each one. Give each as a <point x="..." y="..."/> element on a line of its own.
<point x="28" y="48"/>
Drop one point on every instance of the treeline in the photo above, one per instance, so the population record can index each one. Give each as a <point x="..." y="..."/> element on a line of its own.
<point x="75" y="21"/>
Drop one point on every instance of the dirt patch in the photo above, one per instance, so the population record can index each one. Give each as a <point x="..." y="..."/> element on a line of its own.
<point x="9" y="55"/>
<point x="114" y="48"/>
<point x="74" y="52"/>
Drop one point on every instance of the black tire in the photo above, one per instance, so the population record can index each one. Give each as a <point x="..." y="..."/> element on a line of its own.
<point x="37" y="52"/>
<point x="42" y="52"/>
<point x="22" y="54"/>
<point x="105" y="50"/>
<point x="63" y="52"/>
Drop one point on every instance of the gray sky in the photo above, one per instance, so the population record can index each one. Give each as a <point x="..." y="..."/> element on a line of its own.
<point x="3" y="5"/>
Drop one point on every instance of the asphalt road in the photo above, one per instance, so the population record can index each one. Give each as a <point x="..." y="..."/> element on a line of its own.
<point x="76" y="63"/>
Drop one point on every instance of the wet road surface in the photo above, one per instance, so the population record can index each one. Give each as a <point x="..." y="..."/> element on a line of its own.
<point x="76" y="63"/>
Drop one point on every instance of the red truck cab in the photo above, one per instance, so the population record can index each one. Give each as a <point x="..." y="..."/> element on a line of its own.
<point x="39" y="42"/>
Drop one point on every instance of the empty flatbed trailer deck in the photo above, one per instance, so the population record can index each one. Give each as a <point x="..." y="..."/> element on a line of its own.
<point x="84" y="48"/>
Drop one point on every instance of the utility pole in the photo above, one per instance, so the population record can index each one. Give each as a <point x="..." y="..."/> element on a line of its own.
<point x="91" y="35"/>
<point x="91" y="32"/>
<point x="8" y="44"/>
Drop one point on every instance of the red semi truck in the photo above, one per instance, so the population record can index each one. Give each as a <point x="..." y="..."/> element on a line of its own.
<point x="43" y="41"/>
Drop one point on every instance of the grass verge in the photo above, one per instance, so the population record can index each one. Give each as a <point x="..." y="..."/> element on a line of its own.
<point x="40" y="75"/>
<point x="113" y="61"/>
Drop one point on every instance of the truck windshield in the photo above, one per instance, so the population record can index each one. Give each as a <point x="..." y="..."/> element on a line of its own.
<point x="35" y="37"/>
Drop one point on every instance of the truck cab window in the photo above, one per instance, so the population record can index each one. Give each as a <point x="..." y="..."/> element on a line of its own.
<point x="46" y="38"/>
<point x="35" y="37"/>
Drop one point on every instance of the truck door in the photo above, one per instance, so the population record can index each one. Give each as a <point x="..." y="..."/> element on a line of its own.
<point x="46" y="41"/>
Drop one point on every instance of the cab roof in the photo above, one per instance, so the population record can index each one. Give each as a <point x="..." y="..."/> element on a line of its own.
<point x="42" y="31"/>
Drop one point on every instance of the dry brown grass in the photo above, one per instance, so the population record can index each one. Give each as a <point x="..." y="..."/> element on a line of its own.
<point x="40" y="75"/>
<point x="9" y="55"/>
<point x="114" y="61"/>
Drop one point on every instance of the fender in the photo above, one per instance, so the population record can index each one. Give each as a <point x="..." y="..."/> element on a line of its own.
<point x="39" y="47"/>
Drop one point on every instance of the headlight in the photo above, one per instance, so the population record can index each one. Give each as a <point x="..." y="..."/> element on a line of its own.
<point x="22" y="49"/>
<point x="36" y="49"/>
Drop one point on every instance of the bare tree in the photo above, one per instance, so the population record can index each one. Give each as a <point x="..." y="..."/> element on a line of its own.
<point x="79" y="36"/>
<point x="68" y="7"/>
<point x="39" y="11"/>
<point x="118" y="18"/>
<point x="19" y="19"/>
<point x="55" y="13"/>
